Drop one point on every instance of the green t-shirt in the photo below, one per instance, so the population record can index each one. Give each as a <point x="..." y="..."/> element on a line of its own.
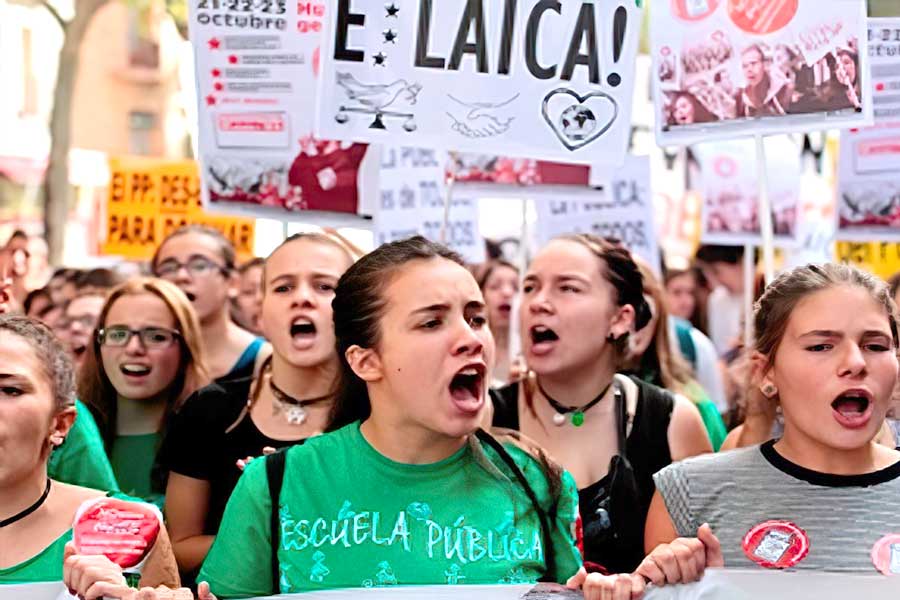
<point x="81" y="460"/>
<point x="712" y="419"/>
<point x="351" y="517"/>
<point x="48" y="564"/>
<point x="132" y="458"/>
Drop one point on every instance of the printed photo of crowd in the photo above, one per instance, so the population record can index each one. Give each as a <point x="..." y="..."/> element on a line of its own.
<point x="717" y="80"/>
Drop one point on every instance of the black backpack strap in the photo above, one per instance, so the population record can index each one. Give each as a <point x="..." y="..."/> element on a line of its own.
<point x="506" y="406"/>
<point x="549" y="556"/>
<point x="275" y="464"/>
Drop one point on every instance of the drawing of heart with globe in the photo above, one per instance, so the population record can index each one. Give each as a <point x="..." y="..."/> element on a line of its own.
<point x="576" y="119"/>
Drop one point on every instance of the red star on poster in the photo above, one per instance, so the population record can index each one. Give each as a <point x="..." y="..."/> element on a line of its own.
<point x="216" y="73"/>
<point x="214" y="43"/>
<point x="210" y="100"/>
<point x="233" y="59"/>
<point x="219" y="87"/>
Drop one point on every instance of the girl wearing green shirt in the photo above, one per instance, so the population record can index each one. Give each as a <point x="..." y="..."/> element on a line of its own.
<point x="403" y="490"/>
<point x="144" y="360"/>
<point x="37" y="392"/>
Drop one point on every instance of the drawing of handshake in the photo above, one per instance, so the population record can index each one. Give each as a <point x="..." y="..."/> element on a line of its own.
<point x="481" y="119"/>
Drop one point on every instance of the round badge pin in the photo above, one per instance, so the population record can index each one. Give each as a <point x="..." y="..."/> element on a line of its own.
<point x="886" y="554"/>
<point x="776" y="544"/>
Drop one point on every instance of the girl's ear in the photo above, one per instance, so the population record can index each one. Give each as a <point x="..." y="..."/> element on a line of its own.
<point x="365" y="363"/>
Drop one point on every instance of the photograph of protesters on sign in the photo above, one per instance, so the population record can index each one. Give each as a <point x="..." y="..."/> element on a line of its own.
<point x="726" y="67"/>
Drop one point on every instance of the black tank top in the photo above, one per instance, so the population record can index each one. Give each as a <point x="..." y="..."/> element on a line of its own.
<point x="614" y="509"/>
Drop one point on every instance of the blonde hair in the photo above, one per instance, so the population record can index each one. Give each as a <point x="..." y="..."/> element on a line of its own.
<point x="94" y="386"/>
<point x="673" y="371"/>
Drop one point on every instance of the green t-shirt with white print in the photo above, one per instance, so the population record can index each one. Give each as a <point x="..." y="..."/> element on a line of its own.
<point x="351" y="517"/>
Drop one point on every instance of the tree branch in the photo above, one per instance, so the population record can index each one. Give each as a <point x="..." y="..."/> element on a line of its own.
<point x="54" y="13"/>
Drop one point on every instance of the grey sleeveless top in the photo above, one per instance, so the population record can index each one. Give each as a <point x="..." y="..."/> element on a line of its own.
<point x="843" y="515"/>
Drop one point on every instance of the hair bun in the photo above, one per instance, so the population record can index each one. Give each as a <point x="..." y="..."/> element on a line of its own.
<point x="642" y="314"/>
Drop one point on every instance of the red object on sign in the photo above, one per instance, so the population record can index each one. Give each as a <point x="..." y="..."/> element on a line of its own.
<point x="776" y="544"/>
<point x="762" y="16"/>
<point x="124" y="532"/>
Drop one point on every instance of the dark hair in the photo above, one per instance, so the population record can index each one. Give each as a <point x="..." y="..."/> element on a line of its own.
<point x="226" y="248"/>
<point x="624" y="275"/>
<point x="250" y="264"/>
<point x="358" y="306"/>
<point x="97" y="279"/>
<point x="17" y="234"/>
<point x="32" y="297"/>
<point x="56" y="364"/>
<point x="894" y="283"/>
<point x="711" y="253"/>
<point x="488" y="268"/>
<point x="701" y="113"/>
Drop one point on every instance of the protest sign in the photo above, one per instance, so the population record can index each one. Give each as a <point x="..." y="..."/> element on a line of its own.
<point x="623" y="209"/>
<point x="150" y="198"/>
<point x="489" y="171"/>
<point x="727" y="69"/>
<point x="730" y="190"/>
<point x="412" y="201"/>
<point x="880" y="258"/>
<point x="868" y="198"/>
<point x="256" y="67"/>
<point x="531" y="79"/>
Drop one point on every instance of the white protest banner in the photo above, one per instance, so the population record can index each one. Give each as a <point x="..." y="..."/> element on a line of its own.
<point x="730" y="190"/>
<point x="256" y="67"/>
<point x="728" y="69"/>
<point x="868" y="198"/>
<point x="538" y="79"/>
<point x="622" y="210"/>
<point x="412" y="198"/>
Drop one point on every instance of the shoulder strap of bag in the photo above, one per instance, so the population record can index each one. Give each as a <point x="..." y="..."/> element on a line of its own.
<point x="275" y="464"/>
<point x="549" y="556"/>
<point x="631" y="391"/>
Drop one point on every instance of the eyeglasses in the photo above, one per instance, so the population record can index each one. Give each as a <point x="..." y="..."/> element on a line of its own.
<point x="86" y="321"/>
<point x="151" y="337"/>
<point x="196" y="267"/>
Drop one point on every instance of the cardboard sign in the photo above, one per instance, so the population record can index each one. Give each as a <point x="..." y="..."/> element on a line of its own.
<point x="528" y="78"/>
<point x="728" y="69"/>
<point x="622" y="210"/>
<point x="730" y="209"/>
<point x="150" y="198"/>
<point x="868" y="198"/>
<point x="256" y="69"/>
<point x="413" y="193"/>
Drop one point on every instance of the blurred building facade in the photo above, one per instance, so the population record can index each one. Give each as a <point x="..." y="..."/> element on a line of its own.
<point x="127" y="100"/>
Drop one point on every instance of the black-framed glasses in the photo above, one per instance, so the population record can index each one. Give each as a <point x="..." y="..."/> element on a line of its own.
<point x="197" y="266"/>
<point x="151" y="337"/>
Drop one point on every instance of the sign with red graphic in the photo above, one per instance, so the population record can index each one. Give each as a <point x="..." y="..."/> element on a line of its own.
<point x="868" y="198"/>
<point x="734" y="68"/>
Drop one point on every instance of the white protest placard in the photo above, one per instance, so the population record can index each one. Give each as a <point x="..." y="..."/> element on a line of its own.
<point x="728" y="69"/>
<point x="538" y="79"/>
<point x="622" y="210"/>
<point x="730" y="191"/>
<point x="256" y="68"/>
<point x="868" y="198"/>
<point x="412" y="201"/>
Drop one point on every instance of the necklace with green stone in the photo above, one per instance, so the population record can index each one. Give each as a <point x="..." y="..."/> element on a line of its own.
<point x="575" y="413"/>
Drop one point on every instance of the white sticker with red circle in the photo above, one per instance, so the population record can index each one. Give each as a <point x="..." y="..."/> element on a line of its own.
<point x="886" y="554"/>
<point x="122" y="531"/>
<point x="776" y="544"/>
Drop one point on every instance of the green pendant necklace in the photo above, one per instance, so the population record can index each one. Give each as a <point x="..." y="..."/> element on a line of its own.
<point x="575" y="413"/>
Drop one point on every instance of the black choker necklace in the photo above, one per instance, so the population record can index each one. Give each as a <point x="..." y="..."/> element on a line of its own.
<point x="295" y="410"/>
<point x="29" y="510"/>
<point x="576" y="412"/>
